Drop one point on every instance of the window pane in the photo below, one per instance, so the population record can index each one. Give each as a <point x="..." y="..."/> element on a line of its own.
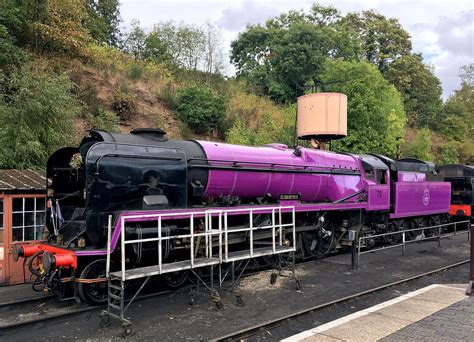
<point x="1" y="235"/>
<point x="17" y="234"/>
<point x="18" y="204"/>
<point x="1" y="221"/>
<point x="17" y="219"/>
<point x="1" y="205"/>
<point x="29" y="204"/>
<point x="40" y="204"/>
<point x="40" y="219"/>
<point x="29" y="219"/>
<point x="29" y="233"/>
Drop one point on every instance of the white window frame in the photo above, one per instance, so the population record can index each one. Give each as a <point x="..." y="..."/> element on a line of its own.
<point x="23" y="212"/>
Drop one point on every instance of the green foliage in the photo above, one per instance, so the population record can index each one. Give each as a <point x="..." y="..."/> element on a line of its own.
<point x="168" y="95"/>
<point x="383" y="40"/>
<point x="420" y="147"/>
<point x="240" y="134"/>
<point x="18" y="16"/>
<point x="376" y="118"/>
<point x="456" y="122"/>
<point x="201" y="109"/>
<point x="61" y="28"/>
<point x="123" y="103"/>
<point x="111" y="60"/>
<point x="10" y="55"/>
<point x="419" y="87"/>
<point x="289" y="52"/>
<point x="36" y="117"/>
<point x="449" y="155"/>
<point x="253" y="120"/>
<point x="103" y="19"/>
<point x="134" y="42"/>
<point x="185" y="132"/>
<point x="103" y="119"/>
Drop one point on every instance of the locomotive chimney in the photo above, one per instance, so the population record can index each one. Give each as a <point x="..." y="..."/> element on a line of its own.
<point x="322" y="117"/>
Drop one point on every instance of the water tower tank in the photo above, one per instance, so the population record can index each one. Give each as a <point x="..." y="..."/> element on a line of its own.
<point x="322" y="116"/>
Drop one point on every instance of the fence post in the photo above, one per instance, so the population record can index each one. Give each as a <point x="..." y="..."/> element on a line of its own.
<point x="439" y="236"/>
<point x="403" y="245"/>
<point x="470" y="287"/>
<point x="353" y="236"/>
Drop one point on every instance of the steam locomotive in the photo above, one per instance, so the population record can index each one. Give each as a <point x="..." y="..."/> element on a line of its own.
<point x="142" y="172"/>
<point x="461" y="178"/>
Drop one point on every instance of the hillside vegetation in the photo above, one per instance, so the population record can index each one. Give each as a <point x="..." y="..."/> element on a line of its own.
<point x="65" y="67"/>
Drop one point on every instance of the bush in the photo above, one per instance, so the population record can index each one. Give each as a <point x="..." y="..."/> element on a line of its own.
<point x="449" y="155"/>
<point x="201" y="109"/>
<point x="104" y="120"/>
<point x="9" y="53"/>
<point x="112" y="60"/>
<point x="255" y="120"/>
<point x="123" y="103"/>
<point x="167" y="94"/>
<point x="36" y="117"/>
<point x="420" y="147"/>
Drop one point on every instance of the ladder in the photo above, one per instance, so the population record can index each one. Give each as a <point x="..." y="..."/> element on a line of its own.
<point x="216" y="231"/>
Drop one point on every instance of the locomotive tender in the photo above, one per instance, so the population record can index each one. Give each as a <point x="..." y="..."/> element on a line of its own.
<point x="143" y="172"/>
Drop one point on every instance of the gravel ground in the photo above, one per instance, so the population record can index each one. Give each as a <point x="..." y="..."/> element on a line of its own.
<point x="170" y="318"/>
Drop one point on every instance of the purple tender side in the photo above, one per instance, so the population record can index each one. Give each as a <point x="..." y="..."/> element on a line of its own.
<point x="420" y="198"/>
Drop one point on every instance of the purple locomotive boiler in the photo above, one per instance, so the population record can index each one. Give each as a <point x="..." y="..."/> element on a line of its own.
<point x="111" y="175"/>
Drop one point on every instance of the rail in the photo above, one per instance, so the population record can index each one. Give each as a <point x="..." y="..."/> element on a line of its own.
<point x="402" y="234"/>
<point x="216" y="229"/>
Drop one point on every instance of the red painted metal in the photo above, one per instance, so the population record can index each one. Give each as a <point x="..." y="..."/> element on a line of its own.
<point x="460" y="210"/>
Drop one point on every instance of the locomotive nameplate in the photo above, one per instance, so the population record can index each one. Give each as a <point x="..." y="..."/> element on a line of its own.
<point x="290" y="197"/>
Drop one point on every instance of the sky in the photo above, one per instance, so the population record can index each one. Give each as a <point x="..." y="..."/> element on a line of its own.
<point x="443" y="31"/>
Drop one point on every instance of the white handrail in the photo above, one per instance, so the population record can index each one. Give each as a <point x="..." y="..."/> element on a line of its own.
<point x="221" y="233"/>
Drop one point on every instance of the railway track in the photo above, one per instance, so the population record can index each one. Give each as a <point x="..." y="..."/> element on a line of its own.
<point x="49" y="308"/>
<point x="57" y="310"/>
<point x="246" y="333"/>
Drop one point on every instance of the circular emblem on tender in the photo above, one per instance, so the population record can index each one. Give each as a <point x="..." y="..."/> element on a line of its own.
<point x="426" y="197"/>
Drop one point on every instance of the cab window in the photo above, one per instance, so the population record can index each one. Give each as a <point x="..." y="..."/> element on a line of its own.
<point x="369" y="170"/>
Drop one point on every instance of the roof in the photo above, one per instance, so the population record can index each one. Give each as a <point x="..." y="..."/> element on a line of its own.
<point x="11" y="180"/>
<point x="457" y="170"/>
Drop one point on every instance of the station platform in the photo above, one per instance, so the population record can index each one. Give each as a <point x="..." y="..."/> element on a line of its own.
<point x="435" y="312"/>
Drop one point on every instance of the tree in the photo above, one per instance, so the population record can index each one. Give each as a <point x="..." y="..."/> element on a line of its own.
<point x="383" y="40"/>
<point x="419" y="87"/>
<point x="36" y="117"/>
<point x="213" y="59"/>
<point x="456" y="122"/>
<point x="376" y="118"/>
<point x="287" y="53"/>
<point x="10" y="54"/>
<point x="103" y="19"/>
<point x="420" y="147"/>
<point x="201" y="109"/>
<point x="134" y="42"/>
<point x="61" y="29"/>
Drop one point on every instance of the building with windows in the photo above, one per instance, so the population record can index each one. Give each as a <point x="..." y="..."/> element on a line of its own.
<point x="22" y="218"/>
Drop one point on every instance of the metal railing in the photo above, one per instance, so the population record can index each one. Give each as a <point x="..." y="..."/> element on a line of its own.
<point x="402" y="235"/>
<point x="216" y="229"/>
